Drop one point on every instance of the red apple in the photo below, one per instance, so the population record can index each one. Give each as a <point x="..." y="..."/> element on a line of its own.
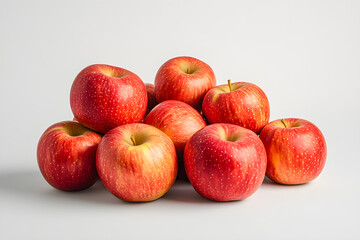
<point x="103" y="97"/>
<point x="66" y="156"/>
<point x="179" y="121"/>
<point x="150" y="89"/>
<point x="243" y="104"/>
<point x="203" y="116"/>
<point x="136" y="162"/>
<point x="185" y="79"/>
<point x="296" y="150"/>
<point x="225" y="162"/>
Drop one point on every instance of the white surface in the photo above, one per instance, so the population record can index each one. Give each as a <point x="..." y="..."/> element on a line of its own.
<point x="305" y="55"/>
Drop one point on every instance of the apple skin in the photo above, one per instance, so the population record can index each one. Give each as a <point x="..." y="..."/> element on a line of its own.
<point x="66" y="155"/>
<point x="172" y="82"/>
<point x="225" y="162"/>
<point x="150" y="89"/>
<point x="179" y="121"/>
<point x="137" y="173"/>
<point x="103" y="97"/>
<point x="296" y="153"/>
<point x="246" y="106"/>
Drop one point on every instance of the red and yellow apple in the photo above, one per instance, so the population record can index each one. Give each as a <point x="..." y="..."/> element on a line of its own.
<point x="296" y="150"/>
<point x="103" y="97"/>
<point x="225" y="162"/>
<point x="66" y="155"/>
<point x="241" y="103"/>
<point x="186" y="79"/>
<point x="137" y="162"/>
<point x="179" y="121"/>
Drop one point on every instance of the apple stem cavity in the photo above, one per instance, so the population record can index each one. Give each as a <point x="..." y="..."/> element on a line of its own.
<point x="133" y="140"/>
<point x="283" y="122"/>
<point x="229" y="83"/>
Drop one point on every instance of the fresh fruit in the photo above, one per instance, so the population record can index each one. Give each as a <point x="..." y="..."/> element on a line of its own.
<point x="136" y="162"/>
<point x="186" y="79"/>
<point x="66" y="156"/>
<point x="296" y="150"/>
<point x="243" y="104"/>
<point x="150" y="89"/>
<point x="103" y="97"/>
<point x="179" y="121"/>
<point x="225" y="162"/>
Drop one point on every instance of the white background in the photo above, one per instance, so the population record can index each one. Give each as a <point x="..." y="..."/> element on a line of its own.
<point x="305" y="55"/>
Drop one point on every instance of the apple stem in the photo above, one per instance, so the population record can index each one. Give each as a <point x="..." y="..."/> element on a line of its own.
<point x="133" y="140"/>
<point x="229" y="83"/>
<point x="283" y="122"/>
<point x="187" y="70"/>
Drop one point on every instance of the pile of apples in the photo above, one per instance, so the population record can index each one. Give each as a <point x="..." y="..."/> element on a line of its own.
<point x="139" y="138"/>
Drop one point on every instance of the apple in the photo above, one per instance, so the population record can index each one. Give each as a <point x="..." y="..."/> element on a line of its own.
<point x="103" y="97"/>
<point x="136" y="162"/>
<point x="203" y="116"/>
<point x="179" y="121"/>
<point x="66" y="155"/>
<point x="186" y="79"/>
<point x="296" y="150"/>
<point x="150" y="89"/>
<point x="225" y="162"/>
<point x="241" y="103"/>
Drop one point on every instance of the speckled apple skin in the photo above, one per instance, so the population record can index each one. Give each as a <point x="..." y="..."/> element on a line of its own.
<point x="173" y="83"/>
<point x="246" y="106"/>
<point x="68" y="162"/>
<point x="223" y="170"/>
<point x="150" y="89"/>
<point x="296" y="154"/>
<point x="179" y="121"/>
<point x="103" y="97"/>
<point x="137" y="173"/>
